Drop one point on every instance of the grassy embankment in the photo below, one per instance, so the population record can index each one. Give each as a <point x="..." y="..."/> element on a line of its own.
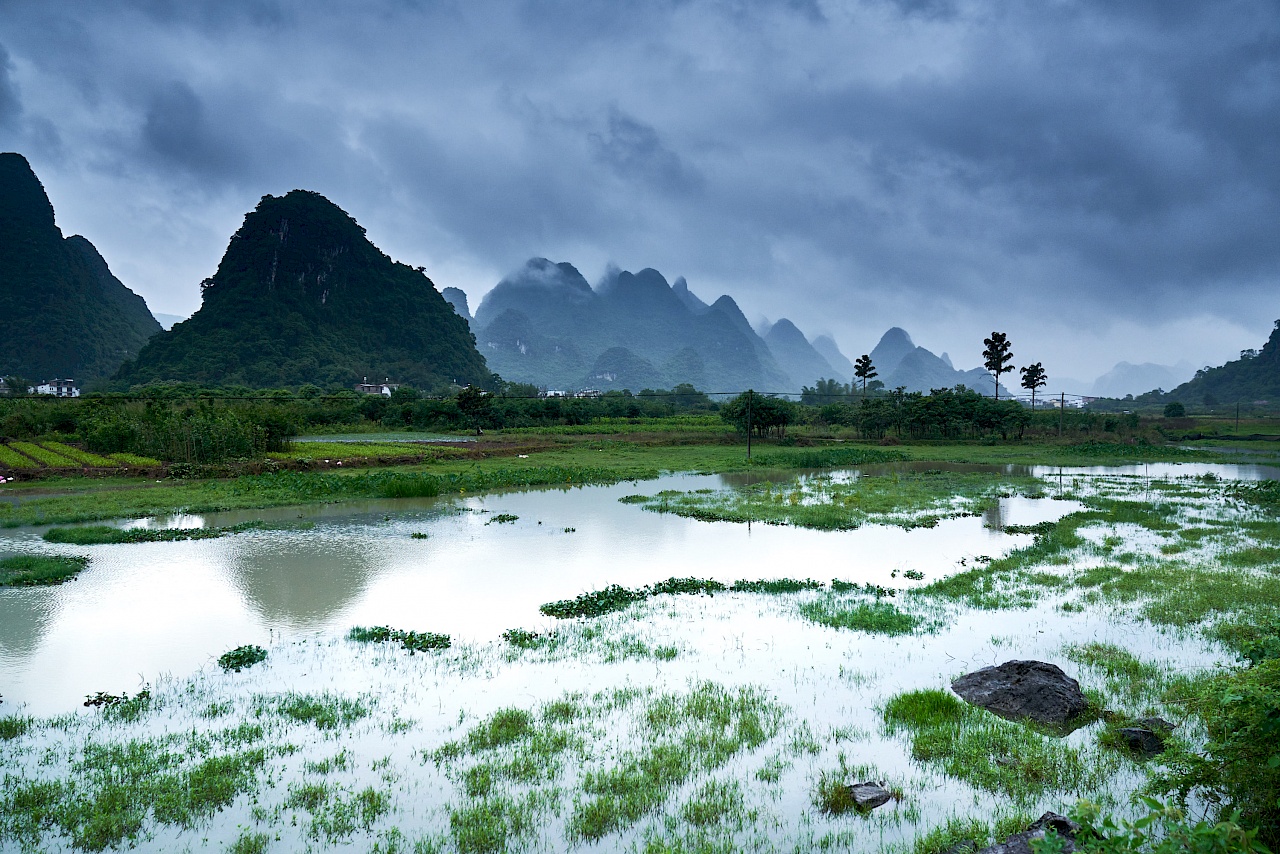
<point x="509" y="461"/>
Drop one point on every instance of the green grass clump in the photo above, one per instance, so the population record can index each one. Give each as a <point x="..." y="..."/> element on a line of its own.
<point x="776" y="585"/>
<point x="410" y="640"/>
<point x="985" y="751"/>
<point x="1126" y="675"/>
<point x="502" y="727"/>
<point x="32" y="570"/>
<point x="79" y="456"/>
<point x="503" y="519"/>
<point x="241" y="657"/>
<point x="15" y="726"/>
<point x="683" y="734"/>
<point x="136" y="460"/>
<point x="43" y="455"/>
<point x="881" y="618"/>
<point x="114" y="789"/>
<point x="525" y="639"/>
<point x="325" y="711"/>
<point x="14" y="460"/>
<point x="96" y="535"/>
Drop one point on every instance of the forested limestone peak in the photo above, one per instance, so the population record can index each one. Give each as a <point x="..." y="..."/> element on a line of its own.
<point x="302" y="296"/>
<point x="65" y="315"/>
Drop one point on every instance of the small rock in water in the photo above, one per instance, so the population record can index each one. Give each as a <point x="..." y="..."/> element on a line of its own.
<point x="868" y="796"/>
<point x="1144" y="742"/>
<point x="1157" y="725"/>
<point x="1020" y="690"/>
<point x="1020" y="843"/>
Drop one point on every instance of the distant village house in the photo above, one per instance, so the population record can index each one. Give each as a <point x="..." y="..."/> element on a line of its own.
<point x="57" y="388"/>
<point x="383" y="388"/>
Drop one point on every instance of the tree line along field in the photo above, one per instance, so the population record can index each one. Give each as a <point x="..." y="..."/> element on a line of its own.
<point x="100" y="433"/>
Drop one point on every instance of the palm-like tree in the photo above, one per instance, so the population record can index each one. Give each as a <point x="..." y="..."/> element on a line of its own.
<point x="996" y="357"/>
<point x="864" y="370"/>
<point x="1034" y="377"/>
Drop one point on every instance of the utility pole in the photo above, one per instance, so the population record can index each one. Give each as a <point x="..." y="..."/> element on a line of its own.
<point x="1062" y="409"/>
<point x="748" y="423"/>
<point x="1237" y="418"/>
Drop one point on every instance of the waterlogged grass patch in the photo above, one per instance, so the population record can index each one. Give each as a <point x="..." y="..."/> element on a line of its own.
<point x="876" y="617"/>
<point x="324" y="711"/>
<point x="410" y="640"/>
<point x="681" y="735"/>
<point x="112" y="791"/>
<point x="985" y="751"/>
<point x="241" y="657"/>
<point x="1126" y="676"/>
<point x="35" y="570"/>
<point x="615" y="597"/>
<point x="905" y="499"/>
<point x="337" y="813"/>
<point x="93" y="535"/>
<point x="15" y="726"/>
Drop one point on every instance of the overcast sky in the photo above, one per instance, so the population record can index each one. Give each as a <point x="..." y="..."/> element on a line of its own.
<point x="1099" y="179"/>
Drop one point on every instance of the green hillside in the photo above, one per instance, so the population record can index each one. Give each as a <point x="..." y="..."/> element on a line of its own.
<point x="1254" y="376"/>
<point x="302" y="296"/>
<point x="63" y="314"/>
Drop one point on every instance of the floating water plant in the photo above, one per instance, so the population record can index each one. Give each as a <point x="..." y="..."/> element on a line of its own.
<point x="33" y="570"/>
<point x="412" y="641"/>
<point x="242" y="657"/>
<point x="502" y="519"/>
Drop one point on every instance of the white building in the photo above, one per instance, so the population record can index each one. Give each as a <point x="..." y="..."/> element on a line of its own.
<point x="57" y="388"/>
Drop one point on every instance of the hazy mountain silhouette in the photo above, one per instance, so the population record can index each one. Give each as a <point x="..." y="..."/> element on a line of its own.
<point x="899" y="362"/>
<point x="796" y="355"/>
<point x="1126" y="378"/>
<point x="302" y="296"/>
<point x="829" y="350"/>
<point x="457" y="298"/>
<point x="544" y="324"/>
<point x="62" y="313"/>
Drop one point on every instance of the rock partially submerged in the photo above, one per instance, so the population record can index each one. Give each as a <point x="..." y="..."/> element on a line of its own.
<point x="1024" y="690"/>
<point x="1141" y="741"/>
<point x="868" y="796"/>
<point x="1020" y="843"/>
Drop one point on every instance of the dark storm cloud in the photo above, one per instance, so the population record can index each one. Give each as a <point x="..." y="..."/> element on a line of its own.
<point x="1091" y="162"/>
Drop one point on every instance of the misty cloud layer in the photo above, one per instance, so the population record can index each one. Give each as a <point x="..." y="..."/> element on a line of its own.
<point x="1099" y="179"/>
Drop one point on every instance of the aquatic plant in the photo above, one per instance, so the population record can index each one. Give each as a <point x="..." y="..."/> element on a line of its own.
<point x="28" y="570"/>
<point x="502" y="518"/>
<point x="410" y="640"/>
<point x="242" y="657"/>
<point x="877" y="617"/>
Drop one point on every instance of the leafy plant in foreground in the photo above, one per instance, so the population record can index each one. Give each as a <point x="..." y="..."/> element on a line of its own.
<point x="242" y="657"/>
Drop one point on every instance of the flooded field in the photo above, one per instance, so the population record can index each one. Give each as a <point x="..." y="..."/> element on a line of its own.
<point x="672" y="723"/>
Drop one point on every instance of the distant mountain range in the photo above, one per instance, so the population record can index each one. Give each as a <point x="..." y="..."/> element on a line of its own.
<point x="900" y="363"/>
<point x="301" y="296"/>
<point x="62" y="313"/>
<point x="544" y="324"/>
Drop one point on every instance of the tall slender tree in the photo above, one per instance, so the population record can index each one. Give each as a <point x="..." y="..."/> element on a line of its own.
<point x="1034" y="377"/>
<point x="864" y="370"/>
<point x="997" y="358"/>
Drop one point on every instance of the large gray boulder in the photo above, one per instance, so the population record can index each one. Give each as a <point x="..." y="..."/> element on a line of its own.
<point x="1020" y="690"/>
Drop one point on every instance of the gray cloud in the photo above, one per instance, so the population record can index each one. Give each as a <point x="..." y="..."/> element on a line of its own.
<point x="10" y="103"/>
<point x="928" y="163"/>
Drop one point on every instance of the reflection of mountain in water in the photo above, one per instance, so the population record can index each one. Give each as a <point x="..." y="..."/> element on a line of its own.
<point x="24" y="619"/>
<point x="304" y="581"/>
